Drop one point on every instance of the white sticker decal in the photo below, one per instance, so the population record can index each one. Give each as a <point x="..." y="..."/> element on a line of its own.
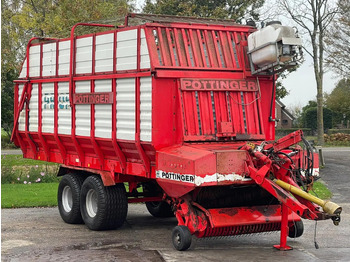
<point x="175" y="176"/>
<point x="199" y="180"/>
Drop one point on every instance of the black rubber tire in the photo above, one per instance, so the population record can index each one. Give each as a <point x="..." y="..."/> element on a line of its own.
<point x="159" y="209"/>
<point x="103" y="208"/>
<point x="181" y="237"/>
<point x="68" y="198"/>
<point x="296" y="229"/>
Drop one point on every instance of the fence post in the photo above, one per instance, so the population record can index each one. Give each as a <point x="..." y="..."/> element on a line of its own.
<point x="320" y="156"/>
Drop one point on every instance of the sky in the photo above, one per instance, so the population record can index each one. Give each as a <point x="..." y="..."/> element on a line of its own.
<point x="301" y="84"/>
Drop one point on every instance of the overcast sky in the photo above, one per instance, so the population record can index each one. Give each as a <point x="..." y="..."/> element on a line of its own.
<point x="300" y="84"/>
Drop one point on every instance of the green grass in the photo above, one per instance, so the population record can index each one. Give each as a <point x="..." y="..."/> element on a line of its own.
<point x="45" y="194"/>
<point x="3" y="132"/>
<point x="5" y="140"/>
<point x="33" y="195"/>
<point x="18" y="160"/>
<point x="320" y="190"/>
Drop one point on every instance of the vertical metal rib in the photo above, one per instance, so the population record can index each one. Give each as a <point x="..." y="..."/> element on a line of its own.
<point x="213" y="106"/>
<point x="244" y="113"/>
<point x="198" y="113"/>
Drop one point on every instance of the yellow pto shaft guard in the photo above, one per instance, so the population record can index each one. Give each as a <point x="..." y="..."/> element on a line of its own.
<point x="328" y="206"/>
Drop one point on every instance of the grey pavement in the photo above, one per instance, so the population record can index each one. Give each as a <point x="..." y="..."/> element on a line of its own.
<point x="39" y="234"/>
<point x="11" y="152"/>
<point x="336" y="149"/>
<point x="336" y="173"/>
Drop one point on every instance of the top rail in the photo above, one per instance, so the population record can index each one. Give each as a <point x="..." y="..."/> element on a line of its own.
<point x="183" y="19"/>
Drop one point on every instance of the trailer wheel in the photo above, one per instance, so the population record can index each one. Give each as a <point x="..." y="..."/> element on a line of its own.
<point x="296" y="229"/>
<point x="103" y="208"/>
<point x="181" y="237"/>
<point x="68" y="198"/>
<point x="159" y="209"/>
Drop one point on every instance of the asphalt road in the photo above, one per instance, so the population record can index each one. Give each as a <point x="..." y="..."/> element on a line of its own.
<point x="39" y="234"/>
<point x="11" y="152"/>
<point x="336" y="172"/>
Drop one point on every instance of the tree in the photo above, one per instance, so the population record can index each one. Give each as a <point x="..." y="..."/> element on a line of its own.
<point x="296" y="111"/>
<point x="310" y="118"/>
<point x="339" y="101"/>
<point x="338" y="41"/>
<point x="22" y="20"/>
<point x="311" y="104"/>
<point x="313" y="18"/>
<point x="56" y="18"/>
<point x="229" y="9"/>
<point x="7" y="77"/>
<point x="10" y="48"/>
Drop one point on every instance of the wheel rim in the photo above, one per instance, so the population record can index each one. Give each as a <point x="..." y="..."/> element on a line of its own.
<point x="91" y="203"/>
<point x="177" y="239"/>
<point x="67" y="199"/>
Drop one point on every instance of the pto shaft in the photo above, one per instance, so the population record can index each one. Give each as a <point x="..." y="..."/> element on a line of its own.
<point x="328" y="206"/>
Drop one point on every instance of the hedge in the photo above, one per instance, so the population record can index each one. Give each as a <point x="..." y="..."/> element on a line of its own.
<point x="336" y="131"/>
<point x="285" y="131"/>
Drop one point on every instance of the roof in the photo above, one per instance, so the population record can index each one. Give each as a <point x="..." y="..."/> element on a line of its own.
<point x="285" y="110"/>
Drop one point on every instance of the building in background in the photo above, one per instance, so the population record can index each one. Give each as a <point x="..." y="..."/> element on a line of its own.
<point x="283" y="115"/>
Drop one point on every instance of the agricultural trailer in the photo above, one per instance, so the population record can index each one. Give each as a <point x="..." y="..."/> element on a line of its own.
<point x="175" y="112"/>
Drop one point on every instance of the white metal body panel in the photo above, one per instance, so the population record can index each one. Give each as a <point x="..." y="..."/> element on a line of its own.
<point x="64" y="109"/>
<point x="49" y="59"/>
<point x="127" y="50"/>
<point x="82" y="112"/>
<point x="103" y="112"/>
<point x="63" y="57"/>
<point x="23" y="73"/>
<point x="22" y="115"/>
<point x="146" y="109"/>
<point x="48" y="105"/>
<point x="126" y="55"/>
<point x="104" y="53"/>
<point x="34" y="61"/>
<point x="83" y="56"/>
<point x="145" y="60"/>
<point x="34" y="109"/>
<point x="126" y="108"/>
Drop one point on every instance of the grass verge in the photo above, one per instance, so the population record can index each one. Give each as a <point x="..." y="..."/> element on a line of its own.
<point x="320" y="190"/>
<point x="33" y="195"/>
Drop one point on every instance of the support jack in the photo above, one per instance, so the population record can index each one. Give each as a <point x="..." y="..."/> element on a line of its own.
<point x="284" y="231"/>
